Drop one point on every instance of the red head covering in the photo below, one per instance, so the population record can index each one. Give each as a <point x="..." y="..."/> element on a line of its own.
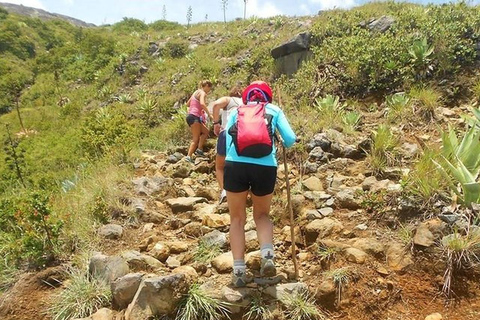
<point x="257" y="91"/>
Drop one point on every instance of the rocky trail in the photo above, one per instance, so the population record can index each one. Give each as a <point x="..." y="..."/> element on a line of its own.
<point x="353" y="262"/>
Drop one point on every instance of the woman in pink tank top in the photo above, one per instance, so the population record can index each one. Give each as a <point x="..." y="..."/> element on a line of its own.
<point x="197" y="117"/>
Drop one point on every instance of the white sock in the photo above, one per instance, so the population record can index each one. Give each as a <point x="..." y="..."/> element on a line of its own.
<point x="267" y="251"/>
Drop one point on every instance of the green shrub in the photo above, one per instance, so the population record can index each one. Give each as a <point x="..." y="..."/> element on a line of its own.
<point x="29" y="230"/>
<point x="128" y="25"/>
<point x="164" y="25"/>
<point x="106" y="131"/>
<point x="176" y="48"/>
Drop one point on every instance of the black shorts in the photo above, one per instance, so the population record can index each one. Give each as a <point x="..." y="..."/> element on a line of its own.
<point x="239" y="177"/>
<point x="191" y="119"/>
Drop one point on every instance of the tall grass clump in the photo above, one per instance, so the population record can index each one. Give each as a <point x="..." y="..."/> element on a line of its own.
<point x="425" y="181"/>
<point x="82" y="296"/>
<point x="425" y="101"/>
<point x="258" y="309"/>
<point x="206" y="251"/>
<point x="301" y="306"/>
<point x="341" y="278"/>
<point x="383" y="149"/>
<point x="461" y="252"/>
<point x="198" y="305"/>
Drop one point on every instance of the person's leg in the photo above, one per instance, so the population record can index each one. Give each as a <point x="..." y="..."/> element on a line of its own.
<point x="203" y="136"/>
<point x="237" y="207"/>
<point x="263" y="185"/>
<point x="219" y="167"/>
<point x="261" y="209"/>
<point x="237" y="204"/>
<point x="196" y="130"/>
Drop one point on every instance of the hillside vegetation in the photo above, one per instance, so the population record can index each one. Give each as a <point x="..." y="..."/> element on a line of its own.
<point x="79" y="106"/>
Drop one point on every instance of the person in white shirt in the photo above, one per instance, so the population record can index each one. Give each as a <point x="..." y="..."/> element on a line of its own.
<point x="222" y="108"/>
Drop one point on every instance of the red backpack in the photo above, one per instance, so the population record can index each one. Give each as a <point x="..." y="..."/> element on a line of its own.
<point x="252" y="133"/>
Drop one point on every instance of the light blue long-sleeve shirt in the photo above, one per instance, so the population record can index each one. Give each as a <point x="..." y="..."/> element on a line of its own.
<point x="279" y="122"/>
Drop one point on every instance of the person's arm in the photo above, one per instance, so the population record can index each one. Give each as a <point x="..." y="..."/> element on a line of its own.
<point x="202" y="103"/>
<point x="286" y="132"/>
<point x="218" y="105"/>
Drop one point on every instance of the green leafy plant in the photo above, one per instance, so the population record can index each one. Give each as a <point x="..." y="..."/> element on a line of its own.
<point x="397" y="105"/>
<point x="420" y="54"/>
<point x="147" y="109"/>
<point x="125" y="98"/>
<point x="351" y="120"/>
<point x="206" y="251"/>
<point x="83" y="295"/>
<point x="461" y="164"/>
<point x="301" y="306"/>
<point x="460" y="252"/>
<point x="197" y="305"/>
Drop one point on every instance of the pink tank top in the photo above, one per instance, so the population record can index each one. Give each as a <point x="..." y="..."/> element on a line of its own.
<point x="195" y="107"/>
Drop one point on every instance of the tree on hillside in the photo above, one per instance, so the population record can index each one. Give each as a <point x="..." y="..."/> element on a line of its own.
<point x="15" y="156"/>
<point x="189" y="15"/>
<point x="164" y="13"/>
<point x="245" y="10"/>
<point x="224" y="8"/>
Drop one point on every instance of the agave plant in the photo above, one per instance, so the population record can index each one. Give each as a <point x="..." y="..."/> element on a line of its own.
<point x="461" y="164"/>
<point x="420" y="54"/>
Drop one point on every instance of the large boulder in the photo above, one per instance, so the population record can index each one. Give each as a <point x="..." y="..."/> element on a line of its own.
<point x="301" y="42"/>
<point x="140" y="261"/>
<point x="107" y="268"/>
<point x="184" y="204"/>
<point x="157" y="296"/>
<point x="223" y="263"/>
<point x="289" y="56"/>
<point x="321" y="228"/>
<point x="146" y="186"/>
<point x="124" y="289"/>
<point x="110" y="231"/>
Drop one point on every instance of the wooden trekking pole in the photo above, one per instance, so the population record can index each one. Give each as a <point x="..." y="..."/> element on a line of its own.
<point x="289" y="201"/>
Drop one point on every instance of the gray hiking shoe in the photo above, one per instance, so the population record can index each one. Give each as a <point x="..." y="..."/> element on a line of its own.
<point x="200" y="153"/>
<point x="239" y="279"/>
<point x="189" y="159"/>
<point x="267" y="267"/>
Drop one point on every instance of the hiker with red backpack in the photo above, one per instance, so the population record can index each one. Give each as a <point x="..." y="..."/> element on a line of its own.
<point x="222" y="108"/>
<point x="197" y="118"/>
<point x="251" y="165"/>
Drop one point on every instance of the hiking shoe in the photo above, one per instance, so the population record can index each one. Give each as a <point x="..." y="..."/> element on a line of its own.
<point x="189" y="159"/>
<point x="223" y="197"/>
<point x="200" y="153"/>
<point x="239" y="279"/>
<point x="267" y="267"/>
